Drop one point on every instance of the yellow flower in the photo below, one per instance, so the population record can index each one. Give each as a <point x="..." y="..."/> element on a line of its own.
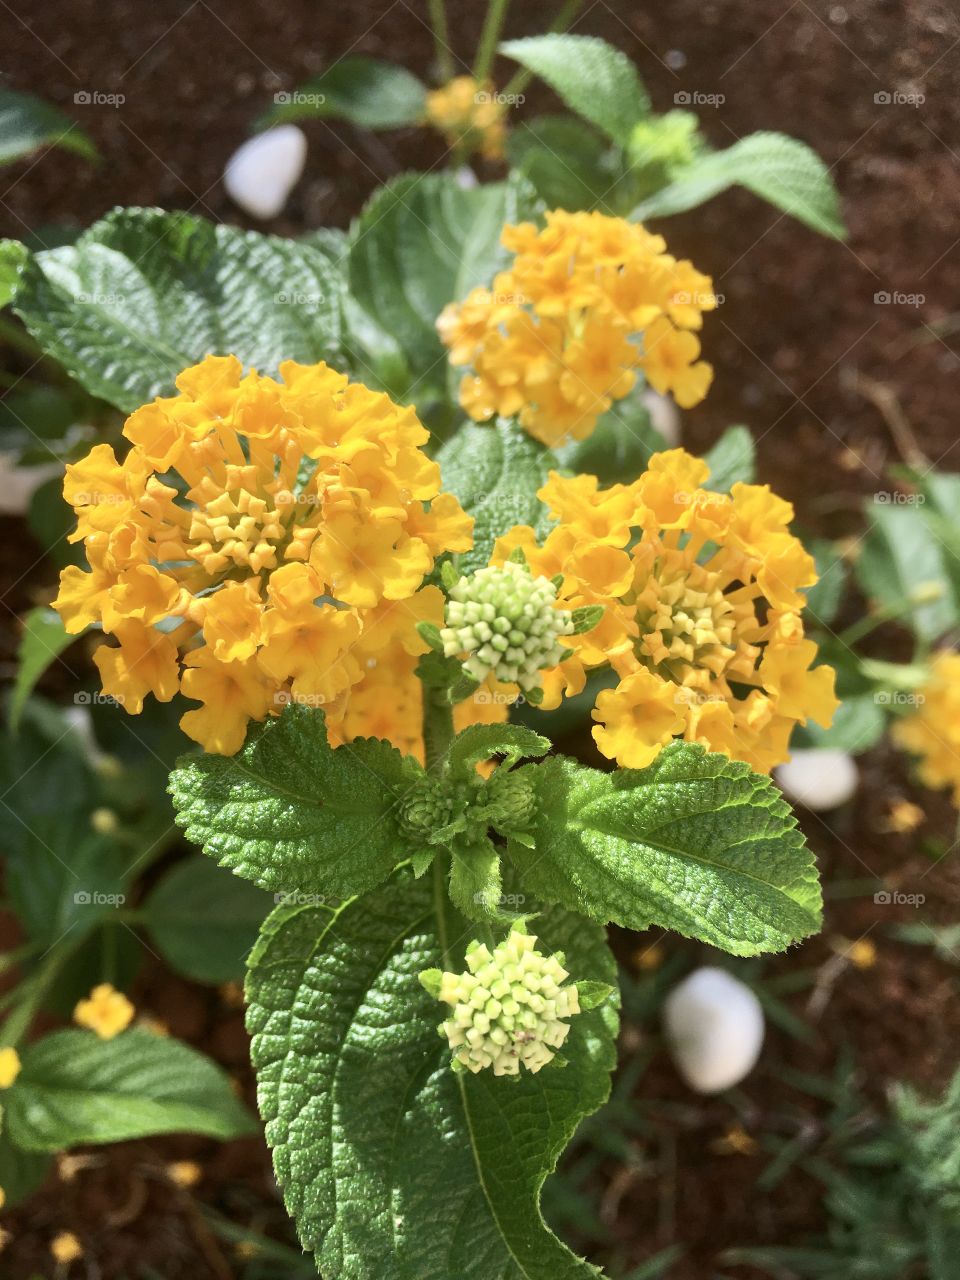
<point x="932" y="732"/>
<point x="904" y="817"/>
<point x="66" y="1248"/>
<point x="253" y="533"/>
<point x="701" y="595"/>
<point x="558" y="337"/>
<point x="184" y="1173"/>
<point x="469" y="112"/>
<point x="9" y="1066"/>
<point x="105" y="1011"/>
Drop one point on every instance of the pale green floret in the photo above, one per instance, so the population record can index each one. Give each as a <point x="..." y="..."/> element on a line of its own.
<point x="507" y="622"/>
<point x="507" y="1008"/>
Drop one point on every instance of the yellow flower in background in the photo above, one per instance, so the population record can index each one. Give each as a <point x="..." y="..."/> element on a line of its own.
<point x="66" y="1248"/>
<point x="9" y="1066"/>
<point x="105" y="1011"/>
<point x="559" y="336"/>
<point x="469" y="112"/>
<point x="261" y="541"/>
<point x="932" y="732"/>
<point x="701" y="629"/>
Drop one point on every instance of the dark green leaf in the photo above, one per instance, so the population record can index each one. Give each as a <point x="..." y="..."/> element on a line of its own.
<point x="143" y="294"/>
<point x="619" y="447"/>
<point x="592" y="77"/>
<point x="76" y="1088"/>
<point x="42" y="642"/>
<point x="292" y="814"/>
<point x="568" y="162"/>
<point x="28" y="123"/>
<point x="21" y="1172"/>
<point x="394" y="1167"/>
<point x="366" y="91"/>
<point x="694" y="842"/>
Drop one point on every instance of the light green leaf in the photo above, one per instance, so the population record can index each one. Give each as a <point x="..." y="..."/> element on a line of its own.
<point x="394" y="1167"/>
<point x="857" y="726"/>
<point x="570" y="164"/>
<point x="143" y="294"/>
<point x="28" y="123"/>
<point x="204" y="921"/>
<point x="476" y="886"/>
<point x="13" y="255"/>
<point x="619" y="447"/>
<point x="495" y="470"/>
<point x="368" y="92"/>
<point x="900" y="555"/>
<point x="694" y="842"/>
<point x="423" y="241"/>
<point x="779" y="169"/>
<point x="75" y="1088"/>
<point x="291" y="813"/>
<point x="732" y="460"/>
<point x="481" y="741"/>
<point x="824" y="597"/>
<point x="593" y="78"/>
<point x="42" y="642"/>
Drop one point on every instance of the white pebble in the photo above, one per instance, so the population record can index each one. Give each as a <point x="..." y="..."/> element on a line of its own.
<point x="261" y="174"/>
<point x="818" y="778"/>
<point x="714" y="1027"/>
<point x="664" y="415"/>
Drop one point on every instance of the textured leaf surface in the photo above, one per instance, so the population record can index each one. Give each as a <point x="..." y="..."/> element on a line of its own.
<point x="395" y="1168"/>
<point x="481" y="741"/>
<point x="495" y="471"/>
<point x="366" y="91"/>
<point x="27" y="123"/>
<point x="75" y="1088"/>
<point x="204" y="921"/>
<point x="695" y="842"/>
<point x="291" y="813"/>
<point x="777" y="168"/>
<point x="143" y="293"/>
<point x="423" y="241"/>
<point x="593" y="78"/>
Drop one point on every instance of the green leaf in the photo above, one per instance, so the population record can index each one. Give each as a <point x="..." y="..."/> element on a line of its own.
<point x="619" y="447"/>
<point x="593" y="78"/>
<point x="495" y="470"/>
<point x="857" y="726"/>
<point x="21" y="1172"/>
<point x="570" y="164"/>
<point x="732" y="460"/>
<point x="28" y="123"/>
<point x="481" y="741"/>
<point x="368" y="92"/>
<point x="899" y="556"/>
<point x="476" y="887"/>
<point x="394" y="1167"/>
<point x="291" y="813"/>
<point x="13" y="255"/>
<point x="423" y="241"/>
<point x="143" y="294"/>
<point x="824" y="597"/>
<point x="779" y="169"/>
<point x="694" y="842"/>
<point x="204" y="921"/>
<point x="42" y="642"/>
<point x="75" y="1088"/>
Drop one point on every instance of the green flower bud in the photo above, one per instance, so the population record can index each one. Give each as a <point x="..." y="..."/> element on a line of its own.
<point x="512" y="799"/>
<point x="427" y="806"/>
<point x="507" y="623"/>
<point x="507" y="1007"/>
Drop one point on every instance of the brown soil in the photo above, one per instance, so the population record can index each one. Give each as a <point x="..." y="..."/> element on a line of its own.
<point x="798" y="345"/>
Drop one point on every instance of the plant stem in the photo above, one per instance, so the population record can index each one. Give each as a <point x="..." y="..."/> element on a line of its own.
<point x="895" y="675"/>
<point x="437" y="727"/>
<point x="441" y="39"/>
<point x="489" y="37"/>
<point x="522" y="77"/>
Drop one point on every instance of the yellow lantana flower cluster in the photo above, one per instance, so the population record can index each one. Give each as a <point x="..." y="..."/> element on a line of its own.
<point x="469" y="112"/>
<point x="932" y="732"/>
<point x="557" y="338"/>
<point x="262" y="541"/>
<point x="702" y="598"/>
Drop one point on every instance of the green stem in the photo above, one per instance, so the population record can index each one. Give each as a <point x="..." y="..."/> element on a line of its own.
<point x="895" y="675"/>
<point x="522" y="77"/>
<point x="438" y="730"/>
<point x="489" y="38"/>
<point x="441" y="39"/>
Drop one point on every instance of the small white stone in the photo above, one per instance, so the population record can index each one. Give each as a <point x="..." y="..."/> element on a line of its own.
<point x="664" y="415"/>
<point x="714" y="1027"/>
<point x="261" y="174"/>
<point x="818" y="778"/>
